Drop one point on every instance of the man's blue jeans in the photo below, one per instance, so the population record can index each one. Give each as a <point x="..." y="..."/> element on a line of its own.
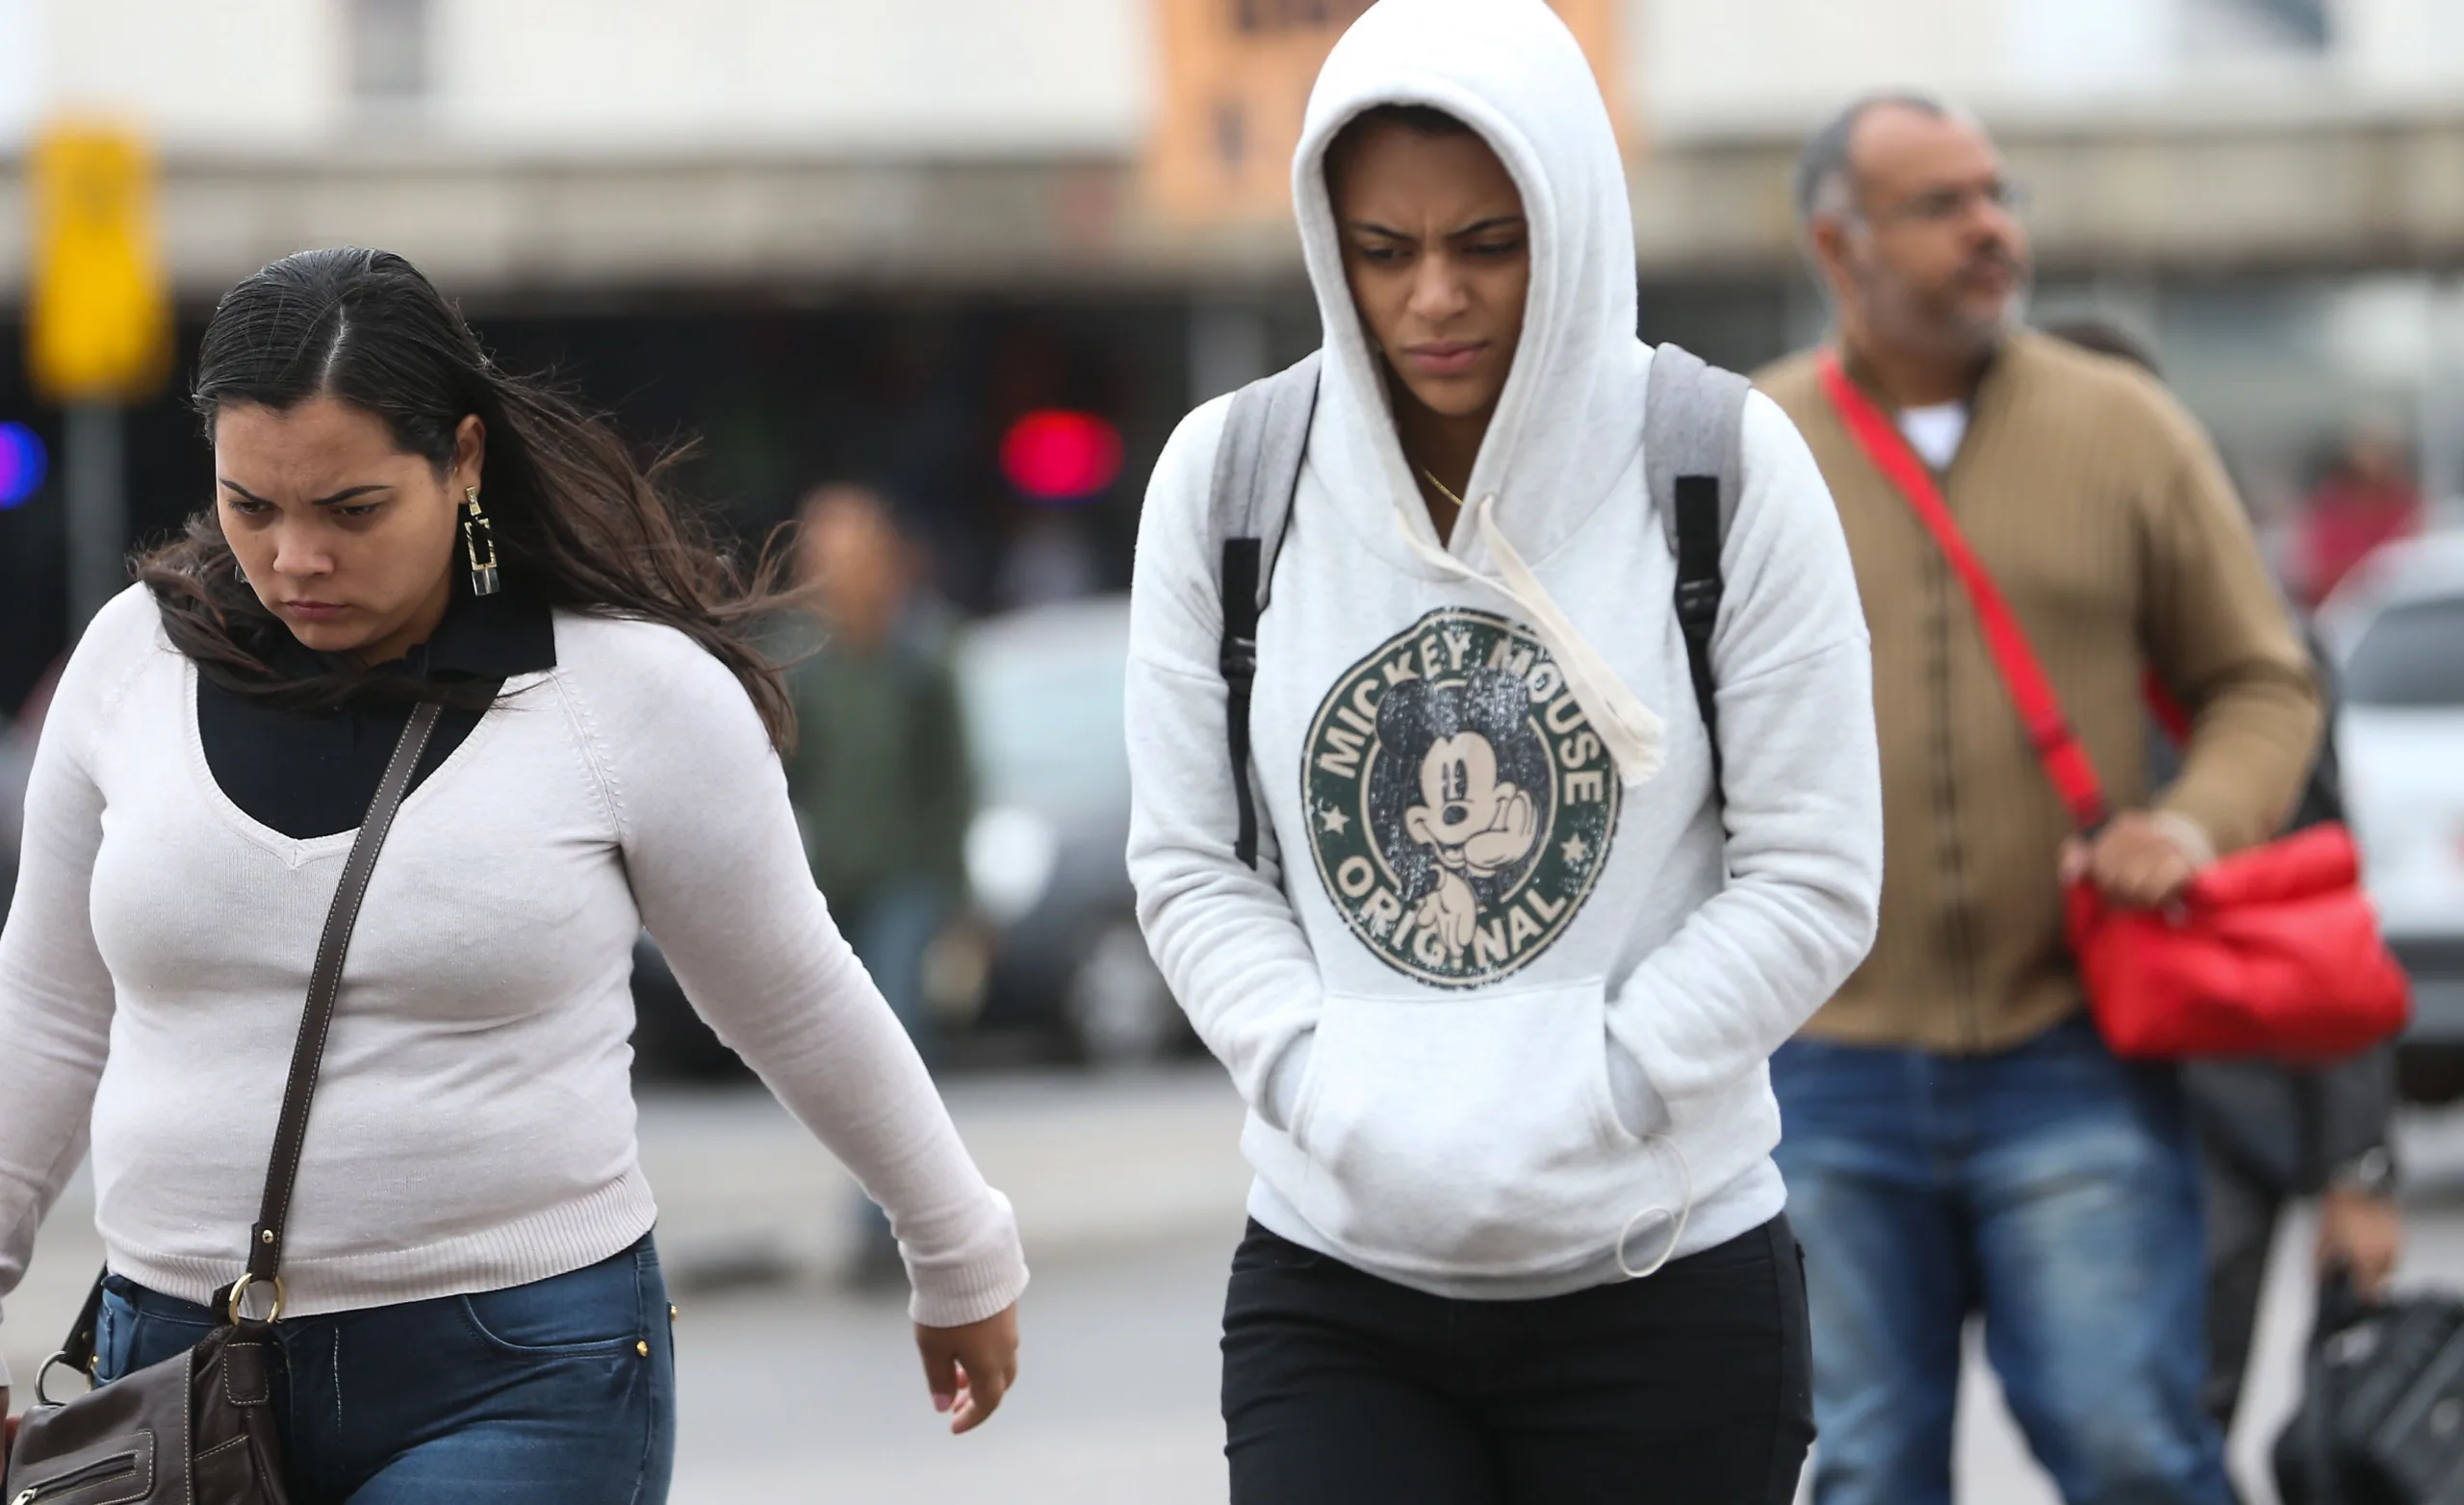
<point x="2052" y="1188"/>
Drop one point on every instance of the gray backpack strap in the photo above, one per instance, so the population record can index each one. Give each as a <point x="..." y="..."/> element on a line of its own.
<point x="1257" y="468"/>
<point x="1693" y="462"/>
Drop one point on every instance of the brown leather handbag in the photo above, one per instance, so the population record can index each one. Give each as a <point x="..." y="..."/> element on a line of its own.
<point x="198" y="1428"/>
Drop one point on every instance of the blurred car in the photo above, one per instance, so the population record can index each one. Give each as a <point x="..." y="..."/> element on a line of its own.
<point x="1052" y="945"/>
<point x="1041" y="690"/>
<point x="2395" y="631"/>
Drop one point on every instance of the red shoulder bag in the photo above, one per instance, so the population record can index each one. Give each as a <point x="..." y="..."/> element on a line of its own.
<point x="2275" y="951"/>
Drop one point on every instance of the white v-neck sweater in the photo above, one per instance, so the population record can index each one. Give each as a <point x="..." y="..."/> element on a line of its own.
<point x="474" y="1126"/>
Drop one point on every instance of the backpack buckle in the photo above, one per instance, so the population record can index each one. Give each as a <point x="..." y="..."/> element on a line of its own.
<point x="1239" y="659"/>
<point x="1698" y="600"/>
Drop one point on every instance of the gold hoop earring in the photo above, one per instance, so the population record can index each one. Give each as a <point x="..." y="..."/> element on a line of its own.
<point x="480" y="543"/>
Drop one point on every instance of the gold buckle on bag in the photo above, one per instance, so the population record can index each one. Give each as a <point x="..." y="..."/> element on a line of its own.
<point x="42" y="1377"/>
<point x="239" y="1292"/>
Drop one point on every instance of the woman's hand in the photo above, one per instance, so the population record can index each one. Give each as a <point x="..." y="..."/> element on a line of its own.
<point x="8" y="1430"/>
<point x="970" y="1367"/>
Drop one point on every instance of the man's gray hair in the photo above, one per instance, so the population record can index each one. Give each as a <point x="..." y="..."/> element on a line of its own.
<point x="1825" y="179"/>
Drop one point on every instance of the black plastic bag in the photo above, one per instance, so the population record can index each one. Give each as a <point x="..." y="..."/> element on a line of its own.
<point x="2382" y="1422"/>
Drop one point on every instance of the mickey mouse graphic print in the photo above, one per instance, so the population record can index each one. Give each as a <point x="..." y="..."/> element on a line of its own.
<point x="1460" y="804"/>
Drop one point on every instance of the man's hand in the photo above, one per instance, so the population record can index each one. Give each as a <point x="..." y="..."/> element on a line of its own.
<point x="970" y="1367"/>
<point x="2137" y="860"/>
<point x="2364" y="1233"/>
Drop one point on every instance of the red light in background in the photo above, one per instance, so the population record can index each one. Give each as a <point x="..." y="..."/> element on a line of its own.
<point x="1058" y="456"/>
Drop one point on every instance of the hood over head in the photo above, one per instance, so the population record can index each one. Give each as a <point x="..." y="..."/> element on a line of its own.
<point x="1570" y="419"/>
<point x="1569" y="422"/>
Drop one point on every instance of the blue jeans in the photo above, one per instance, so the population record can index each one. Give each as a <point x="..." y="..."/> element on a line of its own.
<point x="2052" y="1188"/>
<point x="891" y="929"/>
<point x="558" y="1392"/>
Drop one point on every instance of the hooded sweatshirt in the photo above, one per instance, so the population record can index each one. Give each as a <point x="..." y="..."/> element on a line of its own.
<point x="1498" y="994"/>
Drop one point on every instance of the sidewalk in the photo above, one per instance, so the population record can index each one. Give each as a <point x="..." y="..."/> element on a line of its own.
<point x="1090" y="1161"/>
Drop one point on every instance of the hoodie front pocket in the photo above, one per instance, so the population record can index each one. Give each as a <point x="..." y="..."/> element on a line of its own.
<point x="1465" y="1136"/>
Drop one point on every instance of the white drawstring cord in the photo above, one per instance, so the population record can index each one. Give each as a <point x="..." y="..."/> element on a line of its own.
<point x="1676" y="1230"/>
<point x="1628" y="727"/>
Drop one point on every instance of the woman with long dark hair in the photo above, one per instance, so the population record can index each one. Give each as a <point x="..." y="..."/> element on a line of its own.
<point x="471" y="1303"/>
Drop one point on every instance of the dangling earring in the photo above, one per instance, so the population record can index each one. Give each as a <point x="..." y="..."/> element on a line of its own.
<point x="480" y="541"/>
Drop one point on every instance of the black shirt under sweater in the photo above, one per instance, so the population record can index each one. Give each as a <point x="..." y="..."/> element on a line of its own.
<point x="314" y="774"/>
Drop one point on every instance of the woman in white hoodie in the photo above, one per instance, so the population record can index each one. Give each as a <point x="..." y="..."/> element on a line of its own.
<point x="1499" y="974"/>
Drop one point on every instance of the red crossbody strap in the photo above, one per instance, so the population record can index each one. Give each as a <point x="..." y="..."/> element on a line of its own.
<point x="2170" y="713"/>
<point x="2049" y="730"/>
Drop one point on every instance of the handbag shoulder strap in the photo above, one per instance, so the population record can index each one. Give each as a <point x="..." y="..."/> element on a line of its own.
<point x="324" y="989"/>
<point x="2048" y="726"/>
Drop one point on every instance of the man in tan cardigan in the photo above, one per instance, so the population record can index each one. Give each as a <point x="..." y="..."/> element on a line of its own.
<point x="1957" y="1139"/>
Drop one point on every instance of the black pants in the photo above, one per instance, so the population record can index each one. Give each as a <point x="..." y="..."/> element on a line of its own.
<point x="1691" y="1387"/>
<point x="2243" y="1210"/>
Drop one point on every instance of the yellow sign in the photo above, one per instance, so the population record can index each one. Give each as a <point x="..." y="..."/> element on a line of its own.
<point x="1235" y="83"/>
<point x="99" y="324"/>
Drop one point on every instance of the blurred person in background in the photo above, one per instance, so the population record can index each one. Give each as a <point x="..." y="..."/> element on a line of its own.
<point x="17" y="740"/>
<point x="2270" y="1135"/>
<point x="879" y="774"/>
<point x="470" y="1306"/>
<point x="2270" y="1131"/>
<point x="2367" y="499"/>
<point x="15" y="758"/>
<point x="1501" y="986"/>
<point x="1958" y="1138"/>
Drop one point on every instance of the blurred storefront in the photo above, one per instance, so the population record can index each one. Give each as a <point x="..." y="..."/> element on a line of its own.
<point x="838" y="239"/>
<point x="762" y="399"/>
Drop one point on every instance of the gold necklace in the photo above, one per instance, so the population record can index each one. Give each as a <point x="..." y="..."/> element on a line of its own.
<point x="1454" y="499"/>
